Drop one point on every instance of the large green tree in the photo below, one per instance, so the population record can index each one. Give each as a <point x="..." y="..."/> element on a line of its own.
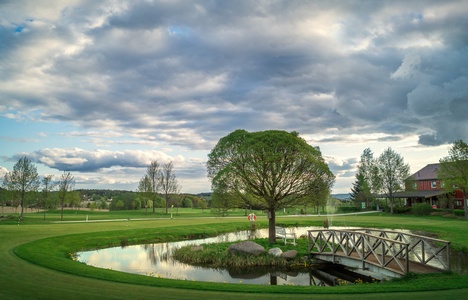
<point x="22" y="180"/>
<point x="453" y="170"/>
<point x="391" y="173"/>
<point x="276" y="167"/>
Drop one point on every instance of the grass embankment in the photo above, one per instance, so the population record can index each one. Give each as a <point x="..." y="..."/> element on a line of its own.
<point x="49" y="272"/>
<point x="218" y="255"/>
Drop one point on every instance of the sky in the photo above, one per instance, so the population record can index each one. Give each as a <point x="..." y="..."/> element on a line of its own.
<point x="102" y="88"/>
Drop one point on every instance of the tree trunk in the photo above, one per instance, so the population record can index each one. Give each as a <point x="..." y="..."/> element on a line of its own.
<point x="153" y="206"/>
<point x="61" y="218"/>
<point x="465" y="205"/>
<point x="391" y="205"/>
<point x="271" y="226"/>
<point x="22" y="207"/>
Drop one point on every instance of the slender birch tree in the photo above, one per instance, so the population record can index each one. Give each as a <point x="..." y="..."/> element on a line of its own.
<point x="46" y="190"/>
<point x="391" y="174"/>
<point x="22" y="180"/>
<point x="168" y="182"/>
<point x="153" y="172"/>
<point x="65" y="186"/>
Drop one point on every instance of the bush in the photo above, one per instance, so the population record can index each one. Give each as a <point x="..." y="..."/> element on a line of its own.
<point x="422" y="209"/>
<point x="345" y="209"/>
<point x="401" y="210"/>
<point x="459" y="212"/>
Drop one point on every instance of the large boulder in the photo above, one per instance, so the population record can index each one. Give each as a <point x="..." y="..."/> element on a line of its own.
<point x="275" y="251"/>
<point x="290" y="254"/>
<point x="246" y="247"/>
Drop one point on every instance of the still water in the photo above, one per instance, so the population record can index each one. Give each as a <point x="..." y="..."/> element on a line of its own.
<point x="156" y="260"/>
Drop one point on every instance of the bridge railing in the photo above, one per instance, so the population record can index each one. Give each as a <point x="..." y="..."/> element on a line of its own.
<point x="424" y="250"/>
<point x="384" y="246"/>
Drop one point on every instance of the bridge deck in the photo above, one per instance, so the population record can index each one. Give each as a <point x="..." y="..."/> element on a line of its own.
<point x="414" y="267"/>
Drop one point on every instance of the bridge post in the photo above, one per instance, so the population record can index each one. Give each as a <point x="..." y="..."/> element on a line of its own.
<point x="447" y="251"/>
<point x="407" y="258"/>
<point x="423" y="252"/>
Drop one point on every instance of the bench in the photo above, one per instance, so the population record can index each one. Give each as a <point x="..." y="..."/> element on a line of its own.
<point x="281" y="233"/>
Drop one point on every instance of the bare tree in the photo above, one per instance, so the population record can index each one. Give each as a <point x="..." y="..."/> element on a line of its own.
<point x="153" y="173"/>
<point x="66" y="185"/>
<point x="168" y="182"/>
<point x="22" y="180"/>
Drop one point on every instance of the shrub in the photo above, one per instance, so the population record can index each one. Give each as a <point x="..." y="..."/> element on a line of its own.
<point x="459" y="212"/>
<point x="422" y="209"/>
<point x="401" y="209"/>
<point x="345" y="209"/>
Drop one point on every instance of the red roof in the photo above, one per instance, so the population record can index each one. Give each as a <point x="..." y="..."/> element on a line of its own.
<point x="426" y="173"/>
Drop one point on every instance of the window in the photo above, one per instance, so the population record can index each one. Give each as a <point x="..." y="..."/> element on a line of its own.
<point x="433" y="184"/>
<point x="415" y="185"/>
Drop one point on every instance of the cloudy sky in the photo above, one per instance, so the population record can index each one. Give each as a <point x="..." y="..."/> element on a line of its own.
<point x="102" y="88"/>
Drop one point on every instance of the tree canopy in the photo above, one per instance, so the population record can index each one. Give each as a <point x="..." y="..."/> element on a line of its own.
<point x="391" y="173"/>
<point x="453" y="170"/>
<point x="276" y="167"/>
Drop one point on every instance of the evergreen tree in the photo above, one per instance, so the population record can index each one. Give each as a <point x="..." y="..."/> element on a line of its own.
<point x="360" y="192"/>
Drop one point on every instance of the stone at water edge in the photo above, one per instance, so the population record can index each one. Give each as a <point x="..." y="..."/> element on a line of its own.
<point x="275" y="251"/>
<point x="290" y="254"/>
<point x="246" y="247"/>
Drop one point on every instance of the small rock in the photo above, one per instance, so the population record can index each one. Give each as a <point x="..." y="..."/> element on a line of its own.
<point x="275" y="251"/>
<point x="246" y="247"/>
<point x="196" y="248"/>
<point x="290" y="254"/>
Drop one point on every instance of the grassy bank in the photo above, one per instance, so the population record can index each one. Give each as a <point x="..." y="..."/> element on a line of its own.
<point x="218" y="255"/>
<point x="47" y="272"/>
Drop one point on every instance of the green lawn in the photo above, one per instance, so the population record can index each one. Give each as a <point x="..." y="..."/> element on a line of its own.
<point x="160" y="213"/>
<point x="48" y="244"/>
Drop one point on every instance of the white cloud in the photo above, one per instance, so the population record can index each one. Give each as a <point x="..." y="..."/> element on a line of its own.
<point x="76" y="159"/>
<point x="175" y="74"/>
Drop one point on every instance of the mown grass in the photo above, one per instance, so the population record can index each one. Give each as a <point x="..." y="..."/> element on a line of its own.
<point x="83" y="215"/>
<point x="49" y="273"/>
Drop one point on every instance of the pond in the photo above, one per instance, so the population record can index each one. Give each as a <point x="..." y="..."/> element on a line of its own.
<point x="156" y="260"/>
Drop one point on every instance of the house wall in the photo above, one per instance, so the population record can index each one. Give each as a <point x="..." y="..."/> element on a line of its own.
<point x="426" y="185"/>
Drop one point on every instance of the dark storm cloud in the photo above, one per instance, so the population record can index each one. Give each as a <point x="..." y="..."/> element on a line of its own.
<point x="188" y="73"/>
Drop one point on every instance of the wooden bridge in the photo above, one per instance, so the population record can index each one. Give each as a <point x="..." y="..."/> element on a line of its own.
<point x="390" y="253"/>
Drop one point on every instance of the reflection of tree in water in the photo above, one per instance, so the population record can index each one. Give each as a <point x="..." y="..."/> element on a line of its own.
<point x="151" y="253"/>
<point x="158" y="252"/>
